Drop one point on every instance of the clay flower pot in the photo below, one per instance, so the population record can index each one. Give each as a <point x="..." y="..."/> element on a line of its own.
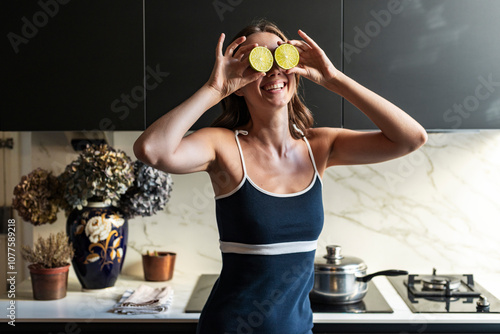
<point x="49" y="283"/>
<point x="158" y="267"/>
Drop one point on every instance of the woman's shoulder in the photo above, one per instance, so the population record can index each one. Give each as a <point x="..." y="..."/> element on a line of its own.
<point x="322" y="142"/>
<point x="215" y="132"/>
<point x="322" y="134"/>
<point x="221" y="139"/>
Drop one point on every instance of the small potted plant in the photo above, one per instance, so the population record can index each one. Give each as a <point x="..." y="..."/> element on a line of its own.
<point x="158" y="266"/>
<point x="49" y="260"/>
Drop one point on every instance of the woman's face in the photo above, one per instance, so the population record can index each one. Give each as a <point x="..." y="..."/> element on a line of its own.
<point x="274" y="90"/>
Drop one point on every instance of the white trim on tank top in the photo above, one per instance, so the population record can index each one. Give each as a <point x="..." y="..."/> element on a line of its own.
<point x="246" y="177"/>
<point x="268" y="249"/>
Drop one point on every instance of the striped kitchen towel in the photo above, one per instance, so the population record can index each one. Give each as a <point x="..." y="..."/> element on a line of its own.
<point x="145" y="300"/>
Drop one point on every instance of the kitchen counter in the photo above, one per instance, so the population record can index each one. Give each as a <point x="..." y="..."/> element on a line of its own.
<point x="90" y="310"/>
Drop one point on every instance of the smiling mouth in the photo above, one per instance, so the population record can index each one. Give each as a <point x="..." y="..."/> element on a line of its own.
<point x="274" y="87"/>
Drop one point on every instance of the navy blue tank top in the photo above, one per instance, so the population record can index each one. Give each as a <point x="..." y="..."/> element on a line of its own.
<point x="268" y="243"/>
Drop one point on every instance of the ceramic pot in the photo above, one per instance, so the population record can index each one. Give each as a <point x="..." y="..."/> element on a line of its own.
<point x="158" y="267"/>
<point x="49" y="283"/>
<point x="99" y="235"/>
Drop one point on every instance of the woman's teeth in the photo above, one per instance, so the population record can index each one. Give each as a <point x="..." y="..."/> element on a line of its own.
<point x="274" y="86"/>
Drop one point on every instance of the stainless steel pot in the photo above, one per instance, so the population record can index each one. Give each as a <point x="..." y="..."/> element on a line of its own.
<point x="342" y="279"/>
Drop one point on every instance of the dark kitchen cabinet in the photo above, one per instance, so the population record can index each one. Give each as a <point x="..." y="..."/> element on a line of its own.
<point x="73" y="65"/>
<point x="437" y="60"/>
<point x="181" y="37"/>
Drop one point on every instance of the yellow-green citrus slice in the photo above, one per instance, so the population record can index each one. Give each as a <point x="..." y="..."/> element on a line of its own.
<point x="287" y="56"/>
<point x="261" y="59"/>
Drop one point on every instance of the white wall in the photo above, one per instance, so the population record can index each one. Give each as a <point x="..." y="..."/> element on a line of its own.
<point x="437" y="207"/>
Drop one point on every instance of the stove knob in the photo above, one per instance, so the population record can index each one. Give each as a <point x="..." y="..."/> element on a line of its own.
<point x="483" y="305"/>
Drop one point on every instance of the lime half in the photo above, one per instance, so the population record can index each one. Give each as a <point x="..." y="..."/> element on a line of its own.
<point x="287" y="56"/>
<point x="261" y="59"/>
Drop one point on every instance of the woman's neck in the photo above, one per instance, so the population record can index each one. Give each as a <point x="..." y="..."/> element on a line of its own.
<point x="271" y="129"/>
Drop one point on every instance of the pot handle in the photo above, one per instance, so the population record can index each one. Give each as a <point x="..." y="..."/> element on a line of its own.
<point x="392" y="272"/>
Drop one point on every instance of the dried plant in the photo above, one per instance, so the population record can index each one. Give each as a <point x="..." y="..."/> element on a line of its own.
<point x="99" y="172"/>
<point x="35" y="197"/>
<point x="52" y="252"/>
<point x="149" y="193"/>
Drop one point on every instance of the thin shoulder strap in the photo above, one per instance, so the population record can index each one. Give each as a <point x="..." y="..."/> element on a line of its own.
<point x="236" y="133"/>
<point x="311" y="155"/>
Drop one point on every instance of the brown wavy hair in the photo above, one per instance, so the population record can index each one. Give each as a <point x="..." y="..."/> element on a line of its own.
<point x="234" y="108"/>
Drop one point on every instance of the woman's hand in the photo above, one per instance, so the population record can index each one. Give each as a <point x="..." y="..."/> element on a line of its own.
<point x="314" y="64"/>
<point x="229" y="73"/>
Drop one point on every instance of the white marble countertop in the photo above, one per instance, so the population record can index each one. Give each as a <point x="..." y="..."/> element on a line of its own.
<point x="79" y="306"/>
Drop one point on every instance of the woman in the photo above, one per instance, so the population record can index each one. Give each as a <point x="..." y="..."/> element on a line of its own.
<point x="266" y="163"/>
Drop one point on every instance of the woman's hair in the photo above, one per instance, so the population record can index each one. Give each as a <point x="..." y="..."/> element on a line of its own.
<point x="234" y="108"/>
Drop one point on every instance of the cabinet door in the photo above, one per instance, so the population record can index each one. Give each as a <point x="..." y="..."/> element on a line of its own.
<point x="437" y="60"/>
<point x="181" y="37"/>
<point x="73" y="65"/>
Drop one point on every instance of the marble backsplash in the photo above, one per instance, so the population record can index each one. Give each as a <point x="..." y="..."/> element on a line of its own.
<point x="437" y="207"/>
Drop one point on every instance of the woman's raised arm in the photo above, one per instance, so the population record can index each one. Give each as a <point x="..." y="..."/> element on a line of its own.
<point x="400" y="134"/>
<point x="163" y="144"/>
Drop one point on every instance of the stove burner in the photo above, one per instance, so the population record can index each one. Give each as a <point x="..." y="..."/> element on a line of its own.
<point x="469" y="297"/>
<point x="441" y="286"/>
<point x="440" y="282"/>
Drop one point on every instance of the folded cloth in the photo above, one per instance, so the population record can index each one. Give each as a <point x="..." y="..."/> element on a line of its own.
<point x="144" y="300"/>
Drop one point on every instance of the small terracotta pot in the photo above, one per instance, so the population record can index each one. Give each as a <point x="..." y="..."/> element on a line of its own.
<point x="158" y="268"/>
<point x="49" y="283"/>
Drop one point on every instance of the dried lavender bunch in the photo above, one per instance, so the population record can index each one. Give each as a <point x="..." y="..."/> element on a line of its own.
<point x="99" y="172"/>
<point x="35" y="197"/>
<point x="149" y="193"/>
<point x="52" y="252"/>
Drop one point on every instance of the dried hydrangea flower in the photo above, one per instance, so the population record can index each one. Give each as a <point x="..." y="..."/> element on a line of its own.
<point x="99" y="172"/>
<point x="35" y="197"/>
<point x="149" y="193"/>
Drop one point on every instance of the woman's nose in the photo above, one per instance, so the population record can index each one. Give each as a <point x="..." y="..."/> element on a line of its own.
<point x="275" y="70"/>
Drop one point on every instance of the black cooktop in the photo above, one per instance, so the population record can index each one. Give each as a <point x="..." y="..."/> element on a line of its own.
<point x="443" y="304"/>
<point x="373" y="302"/>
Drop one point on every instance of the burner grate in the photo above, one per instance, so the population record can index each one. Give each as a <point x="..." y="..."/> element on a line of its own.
<point x="466" y="288"/>
<point x="470" y="297"/>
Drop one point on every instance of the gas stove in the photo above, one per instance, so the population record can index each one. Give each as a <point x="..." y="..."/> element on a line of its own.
<point x="444" y="294"/>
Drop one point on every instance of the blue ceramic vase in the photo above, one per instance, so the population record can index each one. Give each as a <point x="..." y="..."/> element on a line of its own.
<point x="99" y="235"/>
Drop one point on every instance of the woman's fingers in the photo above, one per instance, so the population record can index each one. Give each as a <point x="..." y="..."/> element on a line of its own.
<point x="244" y="51"/>
<point x="218" y="48"/>
<point x="301" y="45"/>
<point x="308" y="40"/>
<point x="253" y="77"/>
<point x="230" y="49"/>
<point x="299" y="69"/>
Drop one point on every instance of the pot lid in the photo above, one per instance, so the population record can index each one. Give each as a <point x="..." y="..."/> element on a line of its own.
<point x="334" y="261"/>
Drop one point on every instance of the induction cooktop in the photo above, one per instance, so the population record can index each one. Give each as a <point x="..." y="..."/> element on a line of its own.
<point x="373" y="302"/>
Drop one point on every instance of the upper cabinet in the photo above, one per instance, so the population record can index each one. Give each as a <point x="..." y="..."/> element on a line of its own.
<point x="73" y="65"/>
<point x="437" y="60"/>
<point x="181" y="37"/>
<point x="122" y="64"/>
